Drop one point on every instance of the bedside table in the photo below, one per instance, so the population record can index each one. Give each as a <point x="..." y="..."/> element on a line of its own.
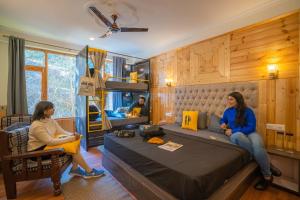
<point x="289" y="164"/>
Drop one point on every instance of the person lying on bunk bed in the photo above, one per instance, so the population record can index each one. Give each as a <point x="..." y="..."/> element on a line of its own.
<point x="43" y="132"/>
<point x="239" y="124"/>
<point x="139" y="108"/>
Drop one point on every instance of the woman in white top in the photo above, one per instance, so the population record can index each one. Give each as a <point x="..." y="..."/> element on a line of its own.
<point x="42" y="132"/>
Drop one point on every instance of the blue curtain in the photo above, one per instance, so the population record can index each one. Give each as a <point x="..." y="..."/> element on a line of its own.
<point x="16" y="87"/>
<point x="118" y="64"/>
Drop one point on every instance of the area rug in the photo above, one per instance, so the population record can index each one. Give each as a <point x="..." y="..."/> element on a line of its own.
<point x="103" y="188"/>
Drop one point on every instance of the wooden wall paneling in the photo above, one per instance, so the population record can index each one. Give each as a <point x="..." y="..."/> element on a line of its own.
<point x="291" y="113"/>
<point x="271" y="25"/>
<point x="154" y="105"/>
<point x="281" y="101"/>
<point x="271" y="105"/>
<point x="249" y="51"/>
<point x="163" y="99"/>
<point x="156" y="70"/>
<point x="286" y="103"/>
<point x="262" y="109"/>
<point x="158" y="104"/>
<point x="170" y="104"/>
<point x="171" y="67"/>
<point x="209" y="60"/>
<point x="254" y="48"/>
<point x="297" y="137"/>
<point x="183" y="67"/>
<point x="164" y="67"/>
<point x="297" y="132"/>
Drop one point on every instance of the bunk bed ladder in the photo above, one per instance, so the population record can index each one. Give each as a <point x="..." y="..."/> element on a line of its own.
<point x="100" y="124"/>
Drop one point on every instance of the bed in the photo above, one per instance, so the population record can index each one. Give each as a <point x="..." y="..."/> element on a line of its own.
<point x="195" y="176"/>
<point x="151" y="173"/>
<point x="119" y="121"/>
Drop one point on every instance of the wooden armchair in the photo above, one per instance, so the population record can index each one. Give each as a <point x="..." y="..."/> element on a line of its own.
<point x="18" y="165"/>
<point x="11" y="119"/>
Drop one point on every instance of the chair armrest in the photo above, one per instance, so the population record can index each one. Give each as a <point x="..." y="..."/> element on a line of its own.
<point x="33" y="154"/>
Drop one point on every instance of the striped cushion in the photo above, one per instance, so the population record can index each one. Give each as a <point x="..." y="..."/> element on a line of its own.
<point x="46" y="164"/>
<point x="18" y="139"/>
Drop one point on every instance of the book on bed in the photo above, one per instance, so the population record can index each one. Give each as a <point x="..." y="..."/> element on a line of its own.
<point x="170" y="146"/>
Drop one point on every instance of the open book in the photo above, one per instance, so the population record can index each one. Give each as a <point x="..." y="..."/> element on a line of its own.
<point x="170" y="146"/>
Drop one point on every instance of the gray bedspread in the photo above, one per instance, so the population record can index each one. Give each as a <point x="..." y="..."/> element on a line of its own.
<point x="192" y="172"/>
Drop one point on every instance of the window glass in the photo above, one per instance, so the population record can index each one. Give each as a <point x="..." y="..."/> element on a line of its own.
<point x="61" y="80"/>
<point x="34" y="58"/>
<point x="33" y="89"/>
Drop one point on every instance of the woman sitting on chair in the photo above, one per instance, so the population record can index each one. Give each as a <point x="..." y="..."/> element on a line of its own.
<point x="42" y="133"/>
<point x="239" y="124"/>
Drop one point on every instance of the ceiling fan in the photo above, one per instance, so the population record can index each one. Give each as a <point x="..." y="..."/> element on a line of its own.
<point x="113" y="27"/>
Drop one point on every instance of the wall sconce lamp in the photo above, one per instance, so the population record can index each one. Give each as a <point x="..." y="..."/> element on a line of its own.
<point x="168" y="82"/>
<point x="273" y="71"/>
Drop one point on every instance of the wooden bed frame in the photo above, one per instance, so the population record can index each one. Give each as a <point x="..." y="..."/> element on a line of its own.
<point x="143" y="189"/>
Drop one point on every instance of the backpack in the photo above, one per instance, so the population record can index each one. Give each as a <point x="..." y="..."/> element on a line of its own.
<point x="149" y="131"/>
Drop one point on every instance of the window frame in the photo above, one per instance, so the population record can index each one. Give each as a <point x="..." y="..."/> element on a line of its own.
<point x="43" y="69"/>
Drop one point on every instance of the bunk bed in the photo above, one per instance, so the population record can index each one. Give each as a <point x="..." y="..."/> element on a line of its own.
<point x="89" y="122"/>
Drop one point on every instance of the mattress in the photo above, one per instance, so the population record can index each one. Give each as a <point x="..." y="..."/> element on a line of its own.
<point x="128" y="87"/>
<point x="116" y="121"/>
<point x="194" y="171"/>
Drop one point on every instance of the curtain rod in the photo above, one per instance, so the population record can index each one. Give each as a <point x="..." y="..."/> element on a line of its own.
<point x="7" y="36"/>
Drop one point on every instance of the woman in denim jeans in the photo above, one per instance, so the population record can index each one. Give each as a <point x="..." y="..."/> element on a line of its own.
<point x="239" y="123"/>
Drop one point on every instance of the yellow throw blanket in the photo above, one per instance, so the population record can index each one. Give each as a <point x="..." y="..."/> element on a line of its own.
<point x="69" y="147"/>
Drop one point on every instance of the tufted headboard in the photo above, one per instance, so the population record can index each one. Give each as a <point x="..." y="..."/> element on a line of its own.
<point x="211" y="98"/>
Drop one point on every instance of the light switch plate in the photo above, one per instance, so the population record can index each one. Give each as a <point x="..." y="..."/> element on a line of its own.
<point x="276" y="127"/>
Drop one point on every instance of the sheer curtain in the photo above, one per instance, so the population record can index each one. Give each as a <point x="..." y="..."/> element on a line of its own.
<point x="98" y="57"/>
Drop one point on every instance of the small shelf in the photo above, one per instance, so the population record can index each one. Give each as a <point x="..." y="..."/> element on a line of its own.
<point x="276" y="151"/>
<point x="289" y="164"/>
<point x="287" y="182"/>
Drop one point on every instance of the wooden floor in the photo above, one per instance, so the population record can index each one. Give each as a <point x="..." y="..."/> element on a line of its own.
<point x="42" y="189"/>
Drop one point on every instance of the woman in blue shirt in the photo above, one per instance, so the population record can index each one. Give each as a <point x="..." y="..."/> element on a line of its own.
<point x="239" y="124"/>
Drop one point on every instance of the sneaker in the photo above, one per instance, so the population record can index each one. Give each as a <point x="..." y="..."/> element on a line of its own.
<point x="77" y="172"/>
<point x="93" y="173"/>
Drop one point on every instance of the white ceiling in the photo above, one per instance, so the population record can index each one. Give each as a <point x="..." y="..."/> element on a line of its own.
<point x="171" y="23"/>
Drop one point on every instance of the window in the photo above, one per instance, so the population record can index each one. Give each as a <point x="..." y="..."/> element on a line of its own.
<point x="61" y="80"/>
<point x="50" y="76"/>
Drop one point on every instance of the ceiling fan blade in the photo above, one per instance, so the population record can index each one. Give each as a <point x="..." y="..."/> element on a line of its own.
<point x="100" y="16"/>
<point x="107" y="34"/>
<point x="126" y="29"/>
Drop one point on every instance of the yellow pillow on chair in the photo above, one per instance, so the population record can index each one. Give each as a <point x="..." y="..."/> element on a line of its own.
<point x="69" y="147"/>
<point x="190" y="120"/>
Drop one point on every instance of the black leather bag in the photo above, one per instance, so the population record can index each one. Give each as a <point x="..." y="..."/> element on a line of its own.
<point x="149" y="131"/>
